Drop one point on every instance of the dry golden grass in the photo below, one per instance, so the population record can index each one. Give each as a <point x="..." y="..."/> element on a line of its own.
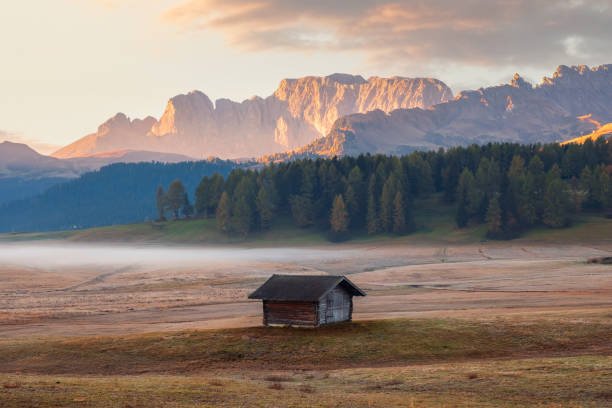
<point x="415" y="363"/>
<point x="358" y="344"/>
<point x="539" y="382"/>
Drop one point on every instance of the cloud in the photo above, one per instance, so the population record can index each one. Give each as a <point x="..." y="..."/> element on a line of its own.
<point x="38" y="145"/>
<point x="412" y="33"/>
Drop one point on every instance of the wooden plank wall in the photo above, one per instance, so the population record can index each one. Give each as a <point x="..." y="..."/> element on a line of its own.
<point x="337" y="306"/>
<point x="290" y="313"/>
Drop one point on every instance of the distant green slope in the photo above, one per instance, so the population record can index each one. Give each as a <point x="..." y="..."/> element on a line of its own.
<point x="435" y="224"/>
<point x="116" y="194"/>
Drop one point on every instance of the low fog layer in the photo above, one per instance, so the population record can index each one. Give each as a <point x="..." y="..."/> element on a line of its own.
<point x="71" y="255"/>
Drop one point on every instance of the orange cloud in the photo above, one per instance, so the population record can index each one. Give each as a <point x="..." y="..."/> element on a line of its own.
<point x="469" y="32"/>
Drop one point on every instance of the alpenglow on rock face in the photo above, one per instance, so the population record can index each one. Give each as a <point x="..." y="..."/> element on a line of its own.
<point x="297" y="113"/>
<point x="574" y="101"/>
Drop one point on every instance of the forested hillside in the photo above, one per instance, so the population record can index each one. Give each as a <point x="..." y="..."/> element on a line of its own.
<point x="15" y="188"/>
<point x="510" y="187"/>
<point x="116" y="194"/>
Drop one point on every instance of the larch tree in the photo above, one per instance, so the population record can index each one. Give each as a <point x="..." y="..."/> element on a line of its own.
<point x="399" y="214"/>
<point x="494" y="218"/>
<point x="339" y="219"/>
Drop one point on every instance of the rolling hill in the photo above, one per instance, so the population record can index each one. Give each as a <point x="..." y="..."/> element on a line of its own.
<point x="25" y="173"/>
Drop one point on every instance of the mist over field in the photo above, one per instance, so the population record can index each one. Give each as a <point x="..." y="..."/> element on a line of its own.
<point x="52" y="255"/>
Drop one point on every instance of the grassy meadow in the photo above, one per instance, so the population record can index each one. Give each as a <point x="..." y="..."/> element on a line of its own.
<point x="412" y="363"/>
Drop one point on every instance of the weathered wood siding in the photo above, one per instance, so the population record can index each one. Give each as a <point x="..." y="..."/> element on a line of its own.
<point x="290" y="313"/>
<point x="337" y="306"/>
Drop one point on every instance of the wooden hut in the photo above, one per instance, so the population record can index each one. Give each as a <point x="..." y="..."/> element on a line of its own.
<point x="306" y="300"/>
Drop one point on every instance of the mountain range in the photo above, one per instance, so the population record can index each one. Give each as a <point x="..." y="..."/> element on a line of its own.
<point x="574" y="101"/>
<point x="339" y="114"/>
<point x="307" y="117"/>
<point x="347" y="114"/>
<point x="299" y="112"/>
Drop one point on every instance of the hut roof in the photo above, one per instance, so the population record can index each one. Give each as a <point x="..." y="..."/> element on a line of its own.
<point x="304" y="288"/>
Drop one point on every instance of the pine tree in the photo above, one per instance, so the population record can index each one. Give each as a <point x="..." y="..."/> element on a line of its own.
<point x="419" y="175"/>
<point x="576" y="195"/>
<point x="527" y="202"/>
<point x="175" y="197"/>
<point x="242" y="216"/>
<point x="302" y="205"/>
<point x="605" y="183"/>
<point x="187" y="208"/>
<point x="479" y="200"/>
<point x="537" y="180"/>
<point x="265" y="208"/>
<point x="586" y="180"/>
<point x="372" y="211"/>
<point x="214" y="192"/>
<point x="352" y="206"/>
<point x="461" y="216"/>
<point x="160" y="202"/>
<point x="208" y="193"/>
<point x="302" y="209"/>
<point x="494" y="218"/>
<point x="572" y="159"/>
<point x="201" y="196"/>
<point x="399" y="214"/>
<point x="356" y="198"/>
<point x="243" y="206"/>
<point x="464" y="189"/>
<point x="224" y="213"/>
<point x="389" y="190"/>
<point x="516" y="190"/>
<point x="556" y="201"/>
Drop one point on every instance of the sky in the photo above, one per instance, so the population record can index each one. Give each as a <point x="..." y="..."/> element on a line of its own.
<point x="68" y="65"/>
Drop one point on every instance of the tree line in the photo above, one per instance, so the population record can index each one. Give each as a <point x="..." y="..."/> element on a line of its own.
<point x="510" y="187"/>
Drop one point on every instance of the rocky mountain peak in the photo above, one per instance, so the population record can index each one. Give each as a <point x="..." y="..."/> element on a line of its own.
<point x="518" y="82"/>
<point x="120" y="122"/>
<point x="182" y="110"/>
<point x="569" y="76"/>
<point x="346" y="79"/>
